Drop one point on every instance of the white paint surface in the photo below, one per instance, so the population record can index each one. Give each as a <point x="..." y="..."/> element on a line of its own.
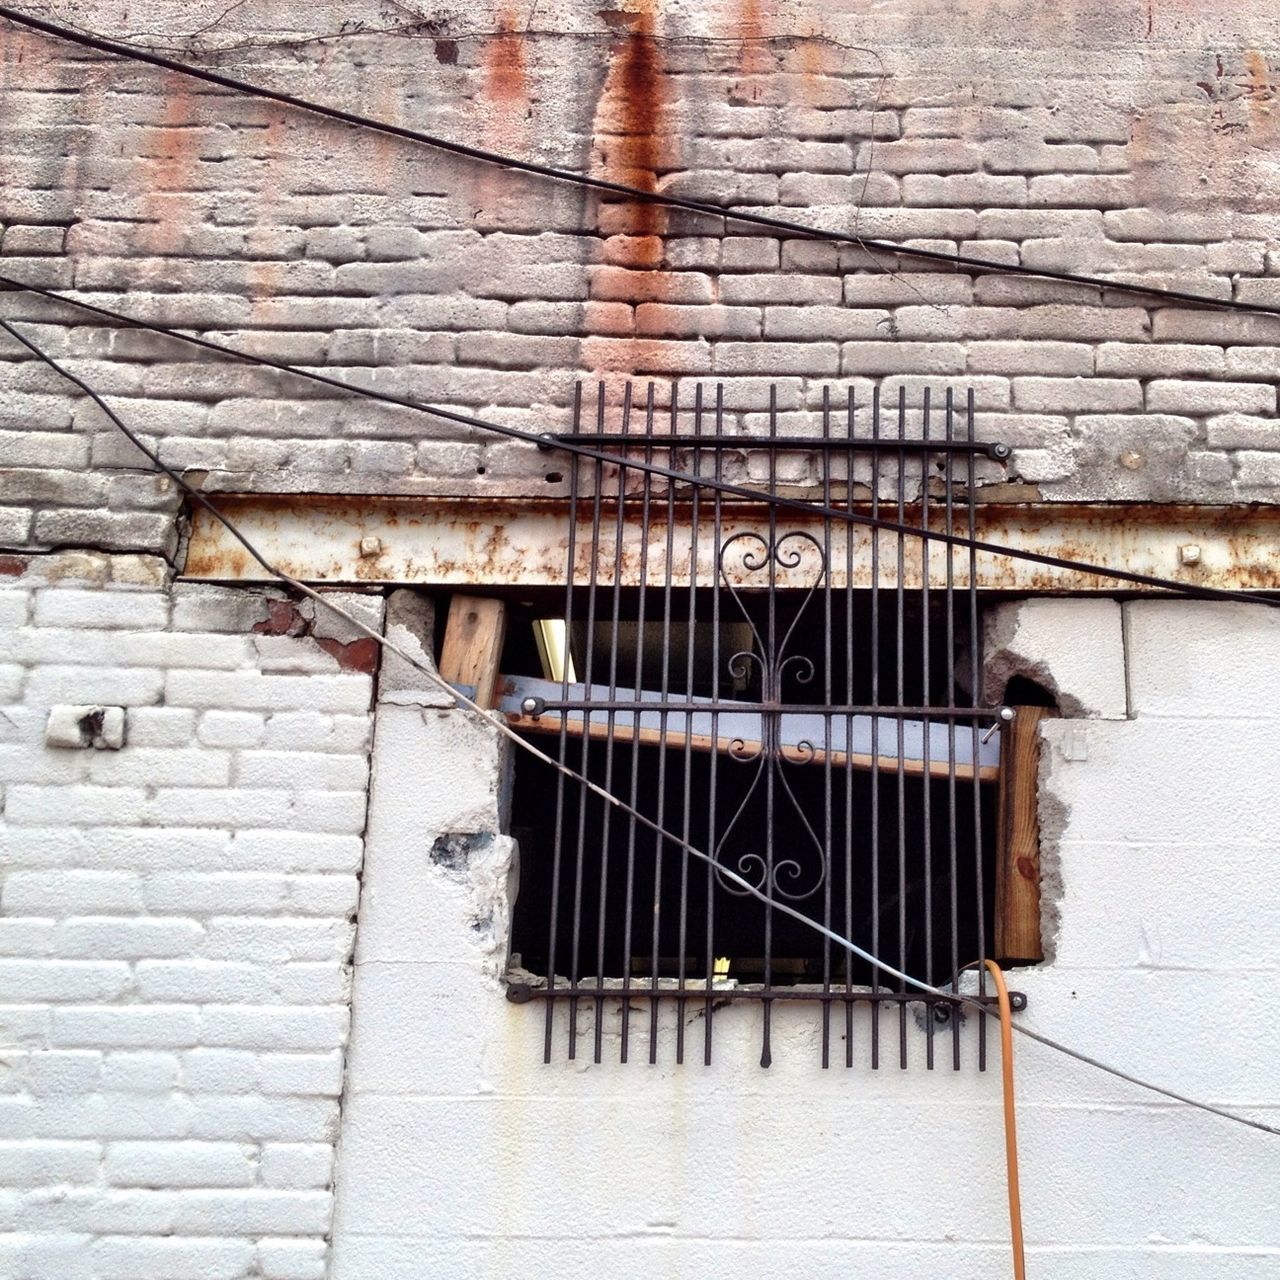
<point x="1073" y="648"/>
<point x="175" y="929"/>
<point x="462" y="1155"/>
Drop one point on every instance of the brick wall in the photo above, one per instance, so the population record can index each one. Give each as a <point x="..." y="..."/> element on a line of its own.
<point x="176" y="915"/>
<point x="176" y="923"/>
<point x="1131" y="141"/>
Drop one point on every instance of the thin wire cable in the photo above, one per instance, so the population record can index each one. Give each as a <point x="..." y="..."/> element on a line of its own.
<point x="357" y="120"/>
<point x="1010" y="1122"/>
<point x="501" y="727"/>
<point x="647" y="466"/>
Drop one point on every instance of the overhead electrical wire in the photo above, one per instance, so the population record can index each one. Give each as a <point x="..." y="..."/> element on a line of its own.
<point x="610" y="187"/>
<point x="499" y="725"/>
<point x="546" y="440"/>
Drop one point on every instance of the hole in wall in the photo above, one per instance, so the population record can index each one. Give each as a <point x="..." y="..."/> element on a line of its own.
<point x="1023" y="691"/>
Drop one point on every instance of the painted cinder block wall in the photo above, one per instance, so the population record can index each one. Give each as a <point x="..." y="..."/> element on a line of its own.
<point x="462" y="1154"/>
<point x="178" y="917"/>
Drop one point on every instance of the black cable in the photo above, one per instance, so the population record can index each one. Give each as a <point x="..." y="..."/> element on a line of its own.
<point x="549" y="441"/>
<point x="194" y="494"/>
<point x="620" y="188"/>
<point x="649" y="823"/>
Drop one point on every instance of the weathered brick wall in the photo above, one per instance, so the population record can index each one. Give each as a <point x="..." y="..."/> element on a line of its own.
<point x="176" y="922"/>
<point x="1134" y="141"/>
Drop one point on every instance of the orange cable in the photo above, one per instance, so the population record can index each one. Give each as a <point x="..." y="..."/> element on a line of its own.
<point x="1010" y="1121"/>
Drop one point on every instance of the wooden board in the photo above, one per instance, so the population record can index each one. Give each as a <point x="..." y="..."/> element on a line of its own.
<point x="473" y="638"/>
<point x="1018" y="842"/>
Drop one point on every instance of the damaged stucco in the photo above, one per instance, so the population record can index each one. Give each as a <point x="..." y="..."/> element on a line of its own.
<point x="1071" y="648"/>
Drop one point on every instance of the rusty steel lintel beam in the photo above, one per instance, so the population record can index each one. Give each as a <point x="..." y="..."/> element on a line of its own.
<point x="463" y="542"/>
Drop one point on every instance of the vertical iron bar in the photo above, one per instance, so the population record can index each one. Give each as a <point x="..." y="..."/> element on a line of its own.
<point x="924" y="702"/>
<point x="662" y="736"/>
<point x="825" y="464"/>
<point x="901" y="693"/>
<point x="715" y="728"/>
<point x="848" y="736"/>
<point x="953" y="865"/>
<point x="556" y="843"/>
<point x="875" y="730"/>
<point x="628" y="911"/>
<point x="688" y="726"/>
<point x="769" y="729"/>
<point x="975" y="673"/>
<point x="611" y="726"/>
<point x="583" y="792"/>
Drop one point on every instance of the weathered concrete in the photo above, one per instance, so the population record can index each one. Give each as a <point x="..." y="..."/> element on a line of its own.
<point x="1073" y="649"/>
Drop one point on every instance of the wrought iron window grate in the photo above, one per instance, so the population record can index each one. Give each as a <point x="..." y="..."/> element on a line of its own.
<point x="794" y="694"/>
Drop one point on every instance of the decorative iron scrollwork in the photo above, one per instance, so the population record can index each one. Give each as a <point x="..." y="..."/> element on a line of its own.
<point x="797" y="873"/>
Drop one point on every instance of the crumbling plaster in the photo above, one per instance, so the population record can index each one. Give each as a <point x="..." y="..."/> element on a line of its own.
<point x="1073" y="648"/>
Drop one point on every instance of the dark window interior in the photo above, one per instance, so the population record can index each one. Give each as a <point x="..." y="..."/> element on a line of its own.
<point x="916" y="908"/>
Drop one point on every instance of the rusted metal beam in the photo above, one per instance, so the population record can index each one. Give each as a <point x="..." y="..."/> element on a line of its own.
<point x="463" y="542"/>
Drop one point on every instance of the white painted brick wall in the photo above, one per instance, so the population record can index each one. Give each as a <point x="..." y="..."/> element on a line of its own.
<point x="463" y="1155"/>
<point x="176" y="923"/>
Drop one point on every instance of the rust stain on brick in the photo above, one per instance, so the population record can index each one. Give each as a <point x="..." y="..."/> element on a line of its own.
<point x="635" y="145"/>
<point x="630" y="130"/>
<point x="12" y="566"/>
<point x="756" y="57"/>
<point x="357" y="655"/>
<point x="171" y="149"/>
<point x="506" y="77"/>
<point x="265" y="271"/>
<point x="1255" y="64"/>
<point x="811" y="60"/>
<point x="283" y="619"/>
<point x="1260" y="93"/>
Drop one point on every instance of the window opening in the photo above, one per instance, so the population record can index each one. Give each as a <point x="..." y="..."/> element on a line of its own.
<point x="821" y="738"/>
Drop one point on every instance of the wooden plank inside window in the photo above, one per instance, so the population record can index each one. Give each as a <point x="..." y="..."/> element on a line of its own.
<point x="736" y="729"/>
<point x="473" y="638"/>
<point x="1018" y="850"/>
